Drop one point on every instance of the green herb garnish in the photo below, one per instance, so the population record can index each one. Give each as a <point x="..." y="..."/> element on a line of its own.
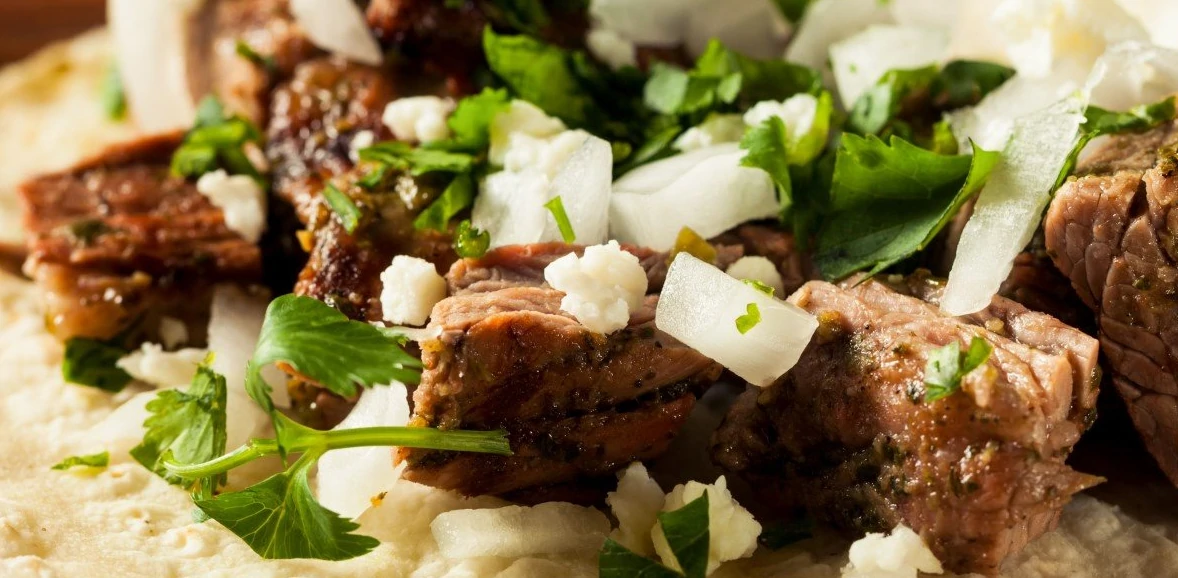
<point x="556" y="207"/>
<point x="343" y="207"/>
<point x="457" y="196"/>
<point x="216" y="142"/>
<point x="244" y="50"/>
<point x="948" y="365"/>
<point x="94" y="363"/>
<point x="114" y="97"/>
<point x="98" y="460"/>
<point x="187" y="426"/>
<point x="688" y="535"/>
<point x="469" y="242"/>
<point x="759" y="286"/>
<point x="750" y="319"/>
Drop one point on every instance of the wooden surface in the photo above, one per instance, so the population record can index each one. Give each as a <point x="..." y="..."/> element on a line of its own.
<point x="26" y="25"/>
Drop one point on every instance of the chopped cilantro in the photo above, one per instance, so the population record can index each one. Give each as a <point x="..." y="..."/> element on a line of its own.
<point x="948" y="365"/>
<point x="459" y="194"/>
<point x="793" y="10"/>
<point x="344" y="208"/>
<point x="688" y="535"/>
<point x="524" y="15"/>
<point x="94" y="363"/>
<point x="417" y="160"/>
<point x="98" y="460"/>
<point x="1100" y="122"/>
<point x="471" y="121"/>
<point x="543" y="75"/>
<point x="759" y="286"/>
<point x="216" y="142"/>
<point x="470" y="242"/>
<point x="556" y="207"/>
<point x="114" y="98"/>
<point x="186" y="426"/>
<point x="244" y="50"/>
<point x="749" y="320"/>
<point x="929" y="89"/>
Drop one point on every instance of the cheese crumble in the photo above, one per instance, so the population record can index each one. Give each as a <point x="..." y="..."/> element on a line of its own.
<point x="732" y="529"/>
<point x="901" y="554"/>
<point x="601" y="288"/>
<point x="241" y="200"/>
<point x="759" y="269"/>
<point x="419" y="118"/>
<point x="411" y="288"/>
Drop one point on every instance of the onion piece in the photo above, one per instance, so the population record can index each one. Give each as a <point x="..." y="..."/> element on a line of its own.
<point x="583" y="185"/>
<point x="754" y="28"/>
<point x="349" y="479"/>
<point x="339" y="27"/>
<point x="150" y="45"/>
<point x="699" y="306"/>
<point x="1133" y="73"/>
<point x="234" y="326"/>
<point x="990" y="123"/>
<point x="707" y="190"/>
<point x="151" y="364"/>
<point x="1160" y="18"/>
<point x="861" y="60"/>
<point x="1008" y="210"/>
<point x="933" y="14"/>
<point x="646" y="22"/>
<point x="516" y="531"/>
<point x="1042" y="36"/>
<point x="829" y="21"/>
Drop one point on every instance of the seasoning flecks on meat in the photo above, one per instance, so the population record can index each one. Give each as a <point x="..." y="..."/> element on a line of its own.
<point x="848" y="435"/>
<point x="576" y="404"/>
<point x="1113" y="233"/>
<point x="119" y="239"/>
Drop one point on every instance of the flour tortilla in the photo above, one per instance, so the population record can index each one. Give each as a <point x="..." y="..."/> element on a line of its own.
<point x="128" y="522"/>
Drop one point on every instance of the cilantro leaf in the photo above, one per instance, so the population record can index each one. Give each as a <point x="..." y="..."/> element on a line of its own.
<point x="244" y="50"/>
<point x="323" y="345"/>
<point x="759" y="286"/>
<point x="417" y="160"/>
<point x="471" y="121"/>
<point x="881" y="103"/>
<point x="98" y="460"/>
<point x="965" y="82"/>
<point x="1099" y="122"/>
<point x="671" y="90"/>
<point x="541" y="74"/>
<point x="279" y="518"/>
<point x="343" y="207"/>
<point x="556" y="207"/>
<point x="114" y="97"/>
<point x="459" y="194"/>
<point x="185" y="426"/>
<point x="94" y="363"/>
<point x="688" y="535"/>
<point x="749" y="320"/>
<point x="879" y="227"/>
<point x="470" y="242"/>
<point x="524" y="15"/>
<point x="615" y="561"/>
<point x="793" y="10"/>
<point x="928" y="90"/>
<point x="948" y="365"/>
<point x="216" y="142"/>
<point x="870" y="169"/>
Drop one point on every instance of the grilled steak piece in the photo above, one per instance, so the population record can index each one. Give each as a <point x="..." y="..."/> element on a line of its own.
<point x="847" y="434"/>
<point x="216" y="65"/>
<point x="1114" y="234"/>
<point x="118" y="240"/>
<point x="576" y="404"/>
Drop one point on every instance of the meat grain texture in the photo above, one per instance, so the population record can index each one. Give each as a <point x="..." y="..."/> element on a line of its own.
<point x="1113" y="231"/>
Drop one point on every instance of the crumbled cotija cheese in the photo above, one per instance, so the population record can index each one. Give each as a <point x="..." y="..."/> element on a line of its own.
<point x="241" y="200"/>
<point x="601" y="288"/>
<point x="797" y="112"/>
<point x="901" y="554"/>
<point x="419" y="118"/>
<point x="609" y="47"/>
<point x="636" y="505"/>
<point x="360" y="141"/>
<point x="758" y="269"/>
<point x="411" y="288"/>
<point x="521" y="117"/>
<point x="732" y="529"/>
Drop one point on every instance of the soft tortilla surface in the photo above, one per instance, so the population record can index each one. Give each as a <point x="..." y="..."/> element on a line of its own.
<point x="124" y="521"/>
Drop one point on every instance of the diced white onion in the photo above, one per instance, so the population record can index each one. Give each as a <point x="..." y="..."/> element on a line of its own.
<point x="1041" y="36"/>
<point x="583" y="185"/>
<point x="516" y="531"/>
<point x="234" y="326"/>
<point x="150" y="44"/>
<point x="609" y="47"/>
<point x="510" y="207"/>
<point x="338" y="26"/>
<point x="1160" y="17"/>
<point x="754" y="28"/>
<point x="350" y="478"/>
<point x="714" y="130"/>
<point x="933" y="14"/>
<point x="1133" y="73"/>
<point x="645" y="22"/>
<point x="1007" y="211"/>
<point x="699" y="306"/>
<point x="861" y="60"/>
<point x="151" y="364"/>
<point x="990" y="123"/>
<point x="706" y="189"/>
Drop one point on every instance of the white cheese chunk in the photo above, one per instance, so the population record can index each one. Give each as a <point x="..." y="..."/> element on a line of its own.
<point x="601" y="288"/>
<point x="636" y="505"/>
<point x="360" y="141"/>
<point x="411" y="288"/>
<point x="151" y="364"/>
<point x="611" y="48"/>
<point x="732" y="529"/>
<point x="758" y="269"/>
<point x="901" y="554"/>
<point x="241" y="200"/>
<point x="797" y="112"/>
<point x="419" y="118"/>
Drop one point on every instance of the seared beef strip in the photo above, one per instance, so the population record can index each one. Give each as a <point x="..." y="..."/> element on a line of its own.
<point x="118" y="240"/>
<point x="847" y="434"/>
<point x="1114" y="234"/>
<point x="576" y="404"/>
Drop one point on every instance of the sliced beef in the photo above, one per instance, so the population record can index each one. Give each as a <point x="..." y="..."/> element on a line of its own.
<point x="848" y="436"/>
<point x="119" y="240"/>
<point x="576" y="404"/>
<point x="216" y="66"/>
<point x="1113" y="233"/>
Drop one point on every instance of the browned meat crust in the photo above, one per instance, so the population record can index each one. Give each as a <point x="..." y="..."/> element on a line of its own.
<point x="847" y="435"/>
<point x="575" y="403"/>
<point x="118" y="238"/>
<point x="1112" y="233"/>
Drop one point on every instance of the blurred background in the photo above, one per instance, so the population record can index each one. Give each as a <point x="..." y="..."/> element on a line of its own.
<point x="26" y="25"/>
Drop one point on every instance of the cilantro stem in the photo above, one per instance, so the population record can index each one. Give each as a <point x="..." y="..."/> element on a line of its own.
<point x="490" y="442"/>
